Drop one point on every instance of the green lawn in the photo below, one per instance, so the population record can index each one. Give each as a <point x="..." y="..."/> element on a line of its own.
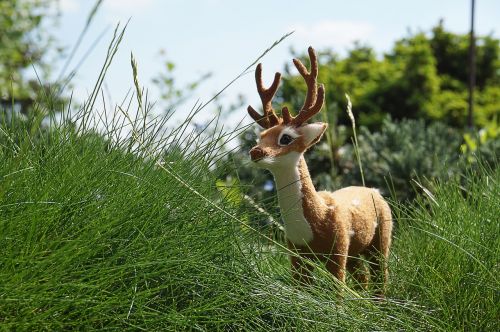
<point x="95" y="234"/>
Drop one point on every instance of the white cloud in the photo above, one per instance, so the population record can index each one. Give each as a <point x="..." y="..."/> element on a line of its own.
<point x="334" y="34"/>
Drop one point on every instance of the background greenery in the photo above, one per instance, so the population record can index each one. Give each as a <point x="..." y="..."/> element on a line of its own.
<point x="411" y="105"/>
<point x="26" y="51"/>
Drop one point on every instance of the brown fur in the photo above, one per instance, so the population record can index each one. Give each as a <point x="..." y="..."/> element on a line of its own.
<point x="332" y="217"/>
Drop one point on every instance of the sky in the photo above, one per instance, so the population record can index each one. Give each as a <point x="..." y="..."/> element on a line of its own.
<point x="223" y="37"/>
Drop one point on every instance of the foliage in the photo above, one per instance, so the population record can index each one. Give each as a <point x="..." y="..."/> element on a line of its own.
<point x="485" y="144"/>
<point x="403" y="152"/>
<point x="108" y="239"/>
<point x="424" y="76"/>
<point x="25" y="45"/>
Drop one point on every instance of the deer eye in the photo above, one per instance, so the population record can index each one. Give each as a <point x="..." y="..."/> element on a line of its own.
<point x="286" y="139"/>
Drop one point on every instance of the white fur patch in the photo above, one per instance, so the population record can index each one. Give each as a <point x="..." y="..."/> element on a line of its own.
<point x="356" y="202"/>
<point x="287" y="176"/>
<point x="376" y="190"/>
<point x="351" y="233"/>
<point x="266" y="162"/>
<point x="289" y="131"/>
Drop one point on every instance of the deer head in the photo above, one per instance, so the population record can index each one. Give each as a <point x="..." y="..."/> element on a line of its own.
<point x="287" y="137"/>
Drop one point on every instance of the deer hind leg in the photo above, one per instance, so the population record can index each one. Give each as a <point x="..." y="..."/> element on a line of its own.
<point x="378" y="254"/>
<point x="301" y="270"/>
<point x="359" y="271"/>
<point x="379" y="273"/>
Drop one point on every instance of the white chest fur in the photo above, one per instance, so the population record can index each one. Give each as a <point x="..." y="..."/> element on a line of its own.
<point x="297" y="229"/>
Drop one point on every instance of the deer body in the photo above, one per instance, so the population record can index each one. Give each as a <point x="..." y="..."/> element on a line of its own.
<point x="338" y="228"/>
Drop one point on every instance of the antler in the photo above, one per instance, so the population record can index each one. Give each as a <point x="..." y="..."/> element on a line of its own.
<point x="315" y="96"/>
<point x="269" y="119"/>
<point x="312" y="105"/>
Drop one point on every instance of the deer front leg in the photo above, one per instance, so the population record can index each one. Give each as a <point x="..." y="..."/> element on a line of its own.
<point x="336" y="265"/>
<point x="337" y="261"/>
<point x="301" y="270"/>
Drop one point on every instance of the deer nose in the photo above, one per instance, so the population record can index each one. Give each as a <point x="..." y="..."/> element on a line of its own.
<point x="256" y="153"/>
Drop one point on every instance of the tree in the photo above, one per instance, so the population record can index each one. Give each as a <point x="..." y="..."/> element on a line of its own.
<point x="424" y="76"/>
<point x="24" y="45"/>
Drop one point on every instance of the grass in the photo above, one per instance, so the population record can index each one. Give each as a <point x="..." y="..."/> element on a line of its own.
<point x="94" y="235"/>
<point x="104" y="228"/>
<point x="447" y="250"/>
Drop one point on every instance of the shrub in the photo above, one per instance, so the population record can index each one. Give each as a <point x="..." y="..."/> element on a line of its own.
<point x="401" y="152"/>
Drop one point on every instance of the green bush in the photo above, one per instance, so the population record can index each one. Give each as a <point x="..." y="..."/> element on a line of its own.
<point x="483" y="145"/>
<point x="401" y="153"/>
<point x="423" y="76"/>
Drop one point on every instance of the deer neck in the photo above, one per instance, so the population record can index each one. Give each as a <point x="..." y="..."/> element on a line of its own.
<point x="296" y="195"/>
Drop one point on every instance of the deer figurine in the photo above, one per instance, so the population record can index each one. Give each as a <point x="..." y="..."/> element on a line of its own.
<point x="341" y="228"/>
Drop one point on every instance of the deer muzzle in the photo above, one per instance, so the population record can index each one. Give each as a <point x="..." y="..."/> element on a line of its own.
<point x="256" y="153"/>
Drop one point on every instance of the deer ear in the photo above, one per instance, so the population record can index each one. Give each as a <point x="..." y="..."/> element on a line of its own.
<point x="312" y="132"/>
